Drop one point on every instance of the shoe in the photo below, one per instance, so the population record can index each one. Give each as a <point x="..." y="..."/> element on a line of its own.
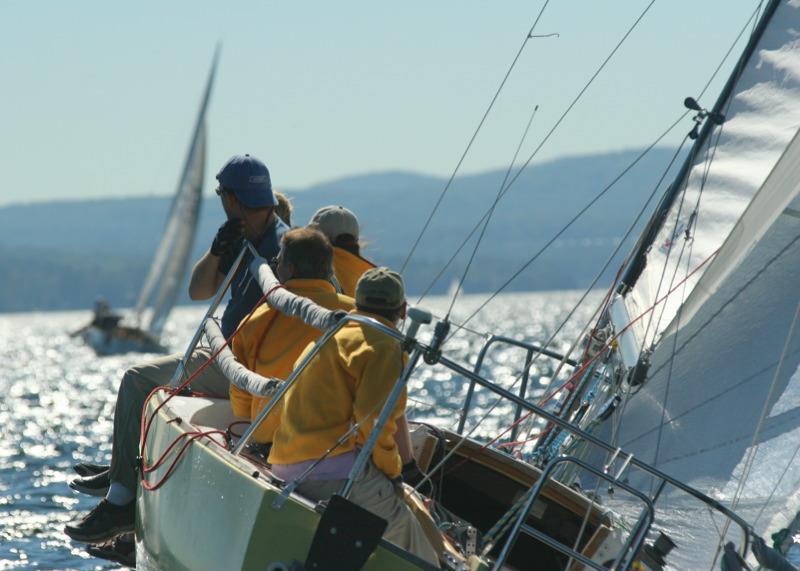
<point x="96" y="485"/>
<point x="85" y="469"/>
<point x="121" y="549"/>
<point x="104" y="522"/>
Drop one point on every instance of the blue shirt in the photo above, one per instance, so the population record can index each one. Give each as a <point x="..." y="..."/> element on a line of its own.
<point x="245" y="291"/>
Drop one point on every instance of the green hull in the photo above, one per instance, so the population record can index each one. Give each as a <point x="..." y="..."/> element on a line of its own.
<point x="214" y="514"/>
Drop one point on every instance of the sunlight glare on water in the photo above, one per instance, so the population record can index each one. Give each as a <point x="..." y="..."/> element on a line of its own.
<point x="59" y="400"/>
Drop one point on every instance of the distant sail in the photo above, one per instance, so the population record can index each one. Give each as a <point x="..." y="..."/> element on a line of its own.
<point x="163" y="282"/>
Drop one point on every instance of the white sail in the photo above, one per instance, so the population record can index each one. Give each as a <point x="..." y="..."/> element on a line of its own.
<point x="720" y="409"/>
<point x="165" y="277"/>
<point x="728" y="166"/>
<point x="720" y="406"/>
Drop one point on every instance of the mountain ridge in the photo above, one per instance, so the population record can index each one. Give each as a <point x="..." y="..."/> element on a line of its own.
<point x="113" y="239"/>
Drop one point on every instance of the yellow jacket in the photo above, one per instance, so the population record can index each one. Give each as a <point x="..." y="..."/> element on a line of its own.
<point x="346" y="382"/>
<point x="269" y="344"/>
<point x="348" y="268"/>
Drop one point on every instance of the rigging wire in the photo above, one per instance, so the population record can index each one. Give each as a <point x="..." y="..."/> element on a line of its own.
<point x="465" y="437"/>
<point x="491" y="211"/>
<point x="753" y="18"/>
<point x="692" y="222"/>
<point x="574" y="219"/>
<point x="753" y="448"/>
<point x="545" y="139"/>
<point x="472" y="139"/>
<point x="734" y="296"/>
<point x="602" y="271"/>
<point x="614" y="253"/>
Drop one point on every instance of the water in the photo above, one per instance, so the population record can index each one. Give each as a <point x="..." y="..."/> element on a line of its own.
<point x="59" y="399"/>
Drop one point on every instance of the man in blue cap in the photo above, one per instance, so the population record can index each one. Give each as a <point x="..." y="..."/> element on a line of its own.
<point x="245" y="189"/>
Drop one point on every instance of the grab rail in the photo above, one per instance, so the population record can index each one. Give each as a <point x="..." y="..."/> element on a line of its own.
<point x="530" y="350"/>
<point x="632" y="545"/>
<point x="418" y="348"/>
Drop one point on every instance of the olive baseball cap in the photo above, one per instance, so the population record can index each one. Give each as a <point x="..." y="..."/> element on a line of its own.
<point x="380" y="288"/>
<point x="334" y="221"/>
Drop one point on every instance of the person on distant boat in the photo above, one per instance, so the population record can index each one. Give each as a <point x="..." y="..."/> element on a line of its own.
<point x="340" y="225"/>
<point x="344" y="385"/>
<point x="270" y="342"/>
<point x="284" y="208"/>
<point x="245" y="190"/>
<point x="103" y="318"/>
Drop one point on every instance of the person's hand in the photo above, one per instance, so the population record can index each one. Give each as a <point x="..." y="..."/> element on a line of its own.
<point x="229" y="237"/>
<point x="412" y="476"/>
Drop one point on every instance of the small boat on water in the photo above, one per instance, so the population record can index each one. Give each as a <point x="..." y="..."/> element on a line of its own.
<point x="669" y="443"/>
<point x="141" y="331"/>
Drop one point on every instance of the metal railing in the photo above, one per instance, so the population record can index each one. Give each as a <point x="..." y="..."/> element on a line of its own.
<point x="632" y="545"/>
<point x="432" y="354"/>
<point x="531" y="350"/>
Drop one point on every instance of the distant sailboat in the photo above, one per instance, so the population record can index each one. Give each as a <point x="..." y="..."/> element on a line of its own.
<point x="166" y="275"/>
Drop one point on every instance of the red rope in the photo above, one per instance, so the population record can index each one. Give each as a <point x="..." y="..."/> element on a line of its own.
<point x="578" y="372"/>
<point x="146" y="424"/>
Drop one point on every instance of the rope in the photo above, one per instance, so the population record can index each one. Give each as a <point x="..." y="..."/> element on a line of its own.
<point x="147" y="423"/>
<point x="472" y="140"/>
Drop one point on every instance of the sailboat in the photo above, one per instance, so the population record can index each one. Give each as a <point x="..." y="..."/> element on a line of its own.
<point x="141" y="331"/>
<point x="674" y="440"/>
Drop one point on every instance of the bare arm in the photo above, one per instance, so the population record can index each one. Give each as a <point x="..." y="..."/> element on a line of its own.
<point x="206" y="278"/>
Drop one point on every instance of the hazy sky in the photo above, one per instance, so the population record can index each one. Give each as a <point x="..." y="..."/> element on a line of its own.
<point x="99" y="98"/>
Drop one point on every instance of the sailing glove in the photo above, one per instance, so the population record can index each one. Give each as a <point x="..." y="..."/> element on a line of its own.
<point x="412" y="476"/>
<point x="229" y="238"/>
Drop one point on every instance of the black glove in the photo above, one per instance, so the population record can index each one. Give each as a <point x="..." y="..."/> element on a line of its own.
<point x="229" y="238"/>
<point x="412" y="476"/>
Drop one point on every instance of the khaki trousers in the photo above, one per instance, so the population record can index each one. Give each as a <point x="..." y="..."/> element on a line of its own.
<point x="376" y="493"/>
<point x="138" y="382"/>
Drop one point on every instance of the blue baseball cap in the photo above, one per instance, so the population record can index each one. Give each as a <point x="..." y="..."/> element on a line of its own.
<point x="248" y="179"/>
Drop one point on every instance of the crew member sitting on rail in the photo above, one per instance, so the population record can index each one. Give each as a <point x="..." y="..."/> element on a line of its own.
<point x="347" y="384"/>
<point x="341" y="227"/>
<point x="245" y="190"/>
<point x="270" y="342"/>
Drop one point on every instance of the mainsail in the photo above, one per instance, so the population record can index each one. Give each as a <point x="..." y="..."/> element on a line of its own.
<point x="720" y="406"/>
<point x="163" y="282"/>
<point x="725" y="169"/>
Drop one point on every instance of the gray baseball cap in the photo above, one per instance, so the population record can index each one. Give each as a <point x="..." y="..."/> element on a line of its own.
<point x="333" y="221"/>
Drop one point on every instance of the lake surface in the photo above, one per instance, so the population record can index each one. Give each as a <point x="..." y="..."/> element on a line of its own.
<point x="58" y="403"/>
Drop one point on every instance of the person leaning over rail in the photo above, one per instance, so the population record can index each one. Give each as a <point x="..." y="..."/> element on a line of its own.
<point x="340" y="225"/>
<point x="346" y="383"/>
<point x="245" y="190"/>
<point x="270" y="342"/>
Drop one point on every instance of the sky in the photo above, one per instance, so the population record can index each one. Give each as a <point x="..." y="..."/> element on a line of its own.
<point x="99" y="98"/>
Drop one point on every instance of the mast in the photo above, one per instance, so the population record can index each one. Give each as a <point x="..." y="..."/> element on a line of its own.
<point x="638" y="259"/>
